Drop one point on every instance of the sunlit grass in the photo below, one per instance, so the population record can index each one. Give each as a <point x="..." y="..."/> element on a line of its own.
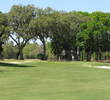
<point x="39" y="80"/>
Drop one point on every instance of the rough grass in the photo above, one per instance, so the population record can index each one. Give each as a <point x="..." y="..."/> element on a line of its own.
<point x="54" y="81"/>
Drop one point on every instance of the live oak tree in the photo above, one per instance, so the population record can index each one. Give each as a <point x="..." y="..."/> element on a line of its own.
<point x="55" y="35"/>
<point x="41" y="26"/>
<point x="66" y="27"/>
<point x="4" y="29"/>
<point x="19" y="19"/>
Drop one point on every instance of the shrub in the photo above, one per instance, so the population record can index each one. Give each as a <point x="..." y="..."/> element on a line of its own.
<point x="42" y="56"/>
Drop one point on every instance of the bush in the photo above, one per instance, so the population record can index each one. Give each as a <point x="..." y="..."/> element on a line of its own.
<point x="31" y="50"/>
<point x="9" y="51"/>
<point x="42" y="56"/>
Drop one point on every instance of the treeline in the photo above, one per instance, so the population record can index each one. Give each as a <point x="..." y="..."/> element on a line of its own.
<point x="30" y="51"/>
<point x="72" y="35"/>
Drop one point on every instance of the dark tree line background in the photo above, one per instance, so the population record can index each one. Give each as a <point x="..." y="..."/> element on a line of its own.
<point x="72" y="35"/>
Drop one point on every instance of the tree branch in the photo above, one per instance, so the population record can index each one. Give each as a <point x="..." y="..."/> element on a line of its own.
<point x="14" y="40"/>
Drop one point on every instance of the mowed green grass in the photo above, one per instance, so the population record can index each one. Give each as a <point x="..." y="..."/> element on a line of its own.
<point x="54" y="81"/>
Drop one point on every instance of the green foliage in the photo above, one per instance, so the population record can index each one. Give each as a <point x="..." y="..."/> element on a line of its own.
<point x="73" y="35"/>
<point x="4" y="30"/>
<point x="42" y="56"/>
<point x="31" y="50"/>
<point x="64" y="35"/>
<point x="41" y="26"/>
<point x="49" y="51"/>
<point x="94" y="34"/>
<point x="9" y="51"/>
<point x="19" y="19"/>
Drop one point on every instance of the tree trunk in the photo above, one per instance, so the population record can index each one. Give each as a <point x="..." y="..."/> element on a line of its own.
<point x="75" y="53"/>
<point x="58" y="58"/>
<point x="1" y="50"/>
<point x="21" y="57"/>
<point x="82" y="56"/>
<point x="75" y="57"/>
<point x="44" y="47"/>
<point x="88" y="51"/>
<point x="68" y="55"/>
<point x="17" y="55"/>
<point x="78" y="54"/>
<point x="97" y="56"/>
<point x="20" y="54"/>
<point x="88" y="56"/>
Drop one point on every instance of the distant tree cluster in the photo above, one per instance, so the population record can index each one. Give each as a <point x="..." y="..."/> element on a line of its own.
<point x="73" y="35"/>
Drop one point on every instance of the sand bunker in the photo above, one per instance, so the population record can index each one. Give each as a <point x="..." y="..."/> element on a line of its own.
<point x="103" y="67"/>
<point x="18" y="62"/>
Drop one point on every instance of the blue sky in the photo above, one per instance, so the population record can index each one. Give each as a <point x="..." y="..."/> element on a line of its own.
<point x="67" y="5"/>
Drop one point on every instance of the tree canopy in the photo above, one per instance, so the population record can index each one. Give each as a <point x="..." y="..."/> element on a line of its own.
<point x="74" y="35"/>
<point x="4" y="30"/>
<point x="19" y="19"/>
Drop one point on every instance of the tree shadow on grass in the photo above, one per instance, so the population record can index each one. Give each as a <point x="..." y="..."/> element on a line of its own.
<point x="2" y="71"/>
<point x="14" y="65"/>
